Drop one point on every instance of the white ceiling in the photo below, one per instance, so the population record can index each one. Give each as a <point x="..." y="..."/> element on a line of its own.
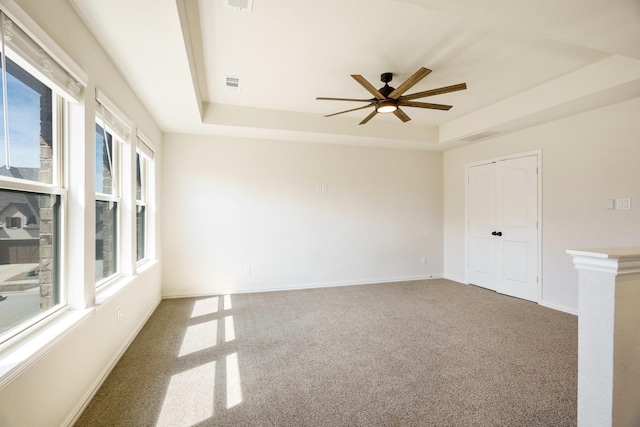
<point x="524" y="63"/>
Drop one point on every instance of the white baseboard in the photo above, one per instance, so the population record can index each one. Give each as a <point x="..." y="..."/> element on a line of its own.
<point x="461" y="280"/>
<point x="542" y="303"/>
<point x="559" y="308"/>
<point x="84" y="402"/>
<point x="313" y="285"/>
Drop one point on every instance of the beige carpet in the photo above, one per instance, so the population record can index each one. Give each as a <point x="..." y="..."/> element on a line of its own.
<point x="424" y="353"/>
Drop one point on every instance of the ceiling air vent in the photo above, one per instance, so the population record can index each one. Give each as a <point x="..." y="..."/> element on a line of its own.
<point x="245" y="5"/>
<point x="232" y="84"/>
<point x="478" y="135"/>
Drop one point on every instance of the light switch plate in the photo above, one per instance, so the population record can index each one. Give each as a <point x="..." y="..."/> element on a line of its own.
<point x="623" y="204"/>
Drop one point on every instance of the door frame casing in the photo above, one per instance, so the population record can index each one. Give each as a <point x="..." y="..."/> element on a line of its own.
<point x="538" y="155"/>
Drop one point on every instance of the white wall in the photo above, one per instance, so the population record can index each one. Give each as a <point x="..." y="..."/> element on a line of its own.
<point x="586" y="159"/>
<point x="53" y="388"/>
<point x="232" y="204"/>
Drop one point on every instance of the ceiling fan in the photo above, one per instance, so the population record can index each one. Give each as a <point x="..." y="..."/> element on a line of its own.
<point x="389" y="100"/>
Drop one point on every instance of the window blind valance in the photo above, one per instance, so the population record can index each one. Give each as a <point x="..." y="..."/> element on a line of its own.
<point x="144" y="146"/>
<point x="112" y="116"/>
<point x="24" y="50"/>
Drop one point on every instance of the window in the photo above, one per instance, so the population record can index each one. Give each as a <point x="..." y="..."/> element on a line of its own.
<point x="13" y="222"/>
<point x="106" y="188"/>
<point x="141" y="208"/>
<point x="144" y="197"/>
<point x="30" y="197"/>
<point x="26" y="128"/>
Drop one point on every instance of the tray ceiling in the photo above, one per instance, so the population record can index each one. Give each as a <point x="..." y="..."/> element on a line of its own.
<point x="514" y="57"/>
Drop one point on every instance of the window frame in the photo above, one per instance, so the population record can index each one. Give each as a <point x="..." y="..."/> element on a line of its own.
<point x="116" y="197"/>
<point x="55" y="188"/>
<point x="144" y="162"/>
<point x="147" y="151"/>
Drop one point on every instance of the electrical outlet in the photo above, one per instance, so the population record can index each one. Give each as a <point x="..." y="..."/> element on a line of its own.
<point x="247" y="269"/>
<point x="119" y="315"/>
<point x="423" y="260"/>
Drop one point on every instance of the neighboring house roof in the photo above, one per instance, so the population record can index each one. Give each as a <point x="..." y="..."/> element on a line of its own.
<point x="26" y="204"/>
<point x="30" y="174"/>
<point x="19" y="233"/>
<point x="24" y="208"/>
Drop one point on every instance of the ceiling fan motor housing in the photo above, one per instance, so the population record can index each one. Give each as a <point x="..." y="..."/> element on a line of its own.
<point x="386" y="90"/>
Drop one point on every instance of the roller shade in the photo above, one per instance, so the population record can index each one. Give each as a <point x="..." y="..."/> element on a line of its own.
<point x="23" y="49"/>
<point x="144" y="146"/>
<point x="111" y="115"/>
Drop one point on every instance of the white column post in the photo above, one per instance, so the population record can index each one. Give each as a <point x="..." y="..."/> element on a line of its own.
<point x="608" y="336"/>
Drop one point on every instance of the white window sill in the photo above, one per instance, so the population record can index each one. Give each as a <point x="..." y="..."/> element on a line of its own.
<point x="111" y="289"/>
<point x="28" y="349"/>
<point x="115" y="286"/>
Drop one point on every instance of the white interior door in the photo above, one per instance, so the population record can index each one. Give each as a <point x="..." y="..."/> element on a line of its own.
<point x="503" y="226"/>
<point x="482" y="222"/>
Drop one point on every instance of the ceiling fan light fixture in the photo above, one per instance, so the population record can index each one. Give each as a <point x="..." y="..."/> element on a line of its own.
<point x="387" y="106"/>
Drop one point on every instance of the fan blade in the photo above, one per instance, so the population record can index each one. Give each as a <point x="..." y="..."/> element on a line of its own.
<point x="425" y="105"/>
<point x="342" y="99"/>
<point x="446" y="89"/>
<point x="415" y="78"/>
<point x="368" y="86"/>
<point x="401" y="115"/>
<point x="369" y="117"/>
<point x="347" y="111"/>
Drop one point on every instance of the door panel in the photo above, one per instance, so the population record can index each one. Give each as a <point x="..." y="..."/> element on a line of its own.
<point x="484" y="256"/>
<point x="514" y="265"/>
<point x="515" y="209"/>
<point x="517" y="219"/>
<point x="483" y="191"/>
<point x="481" y="224"/>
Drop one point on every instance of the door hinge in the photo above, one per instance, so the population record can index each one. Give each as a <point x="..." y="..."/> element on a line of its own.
<point x="537" y="279"/>
<point x="536" y="170"/>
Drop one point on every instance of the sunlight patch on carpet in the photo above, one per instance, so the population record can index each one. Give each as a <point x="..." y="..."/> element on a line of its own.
<point x="190" y="397"/>
<point x="199" y="337"/>
<point x="205" y="306"/>
<point x="234" y="390"/>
